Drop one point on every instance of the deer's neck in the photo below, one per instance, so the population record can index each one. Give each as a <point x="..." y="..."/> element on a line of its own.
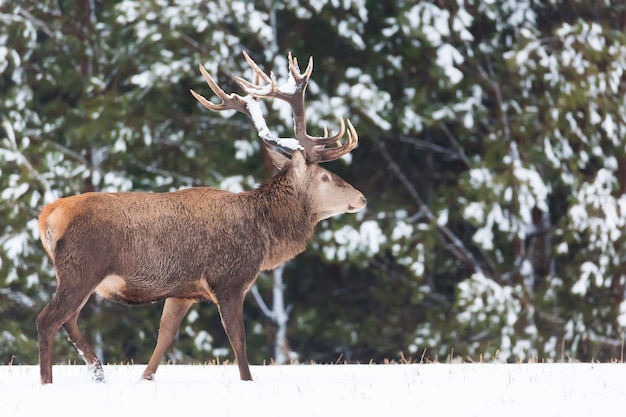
<point x="286" y="219"/>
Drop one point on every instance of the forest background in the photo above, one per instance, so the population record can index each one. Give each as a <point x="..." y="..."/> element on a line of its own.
<point x="491" y="152"/>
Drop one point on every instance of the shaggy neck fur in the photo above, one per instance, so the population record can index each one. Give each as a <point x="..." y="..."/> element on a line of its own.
<point x="287" y="220"/>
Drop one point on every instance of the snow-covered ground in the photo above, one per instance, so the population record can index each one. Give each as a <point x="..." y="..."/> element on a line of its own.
<point x="322" y="390"/>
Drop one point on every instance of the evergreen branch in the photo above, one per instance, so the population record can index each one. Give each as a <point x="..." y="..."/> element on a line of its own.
<point x="37" y="22"/>
<point x="428" y="146"/>
<point x="23" y="161"/>
<point x="457" y="248"/>
<point x="495" y="86"/>
<point x="457" y="146"/>
<point x="65" y="151"/>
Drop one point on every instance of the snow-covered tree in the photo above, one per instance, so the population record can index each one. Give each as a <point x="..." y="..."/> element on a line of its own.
<point x="491" y="152"/>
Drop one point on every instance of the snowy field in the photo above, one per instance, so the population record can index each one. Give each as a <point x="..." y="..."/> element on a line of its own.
<point x="322" y="390"/>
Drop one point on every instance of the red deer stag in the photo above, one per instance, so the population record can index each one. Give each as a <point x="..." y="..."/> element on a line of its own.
<point x="197" y="244"/>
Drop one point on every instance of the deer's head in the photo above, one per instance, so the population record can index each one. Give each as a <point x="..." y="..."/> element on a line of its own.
<point x="300" y="155"/>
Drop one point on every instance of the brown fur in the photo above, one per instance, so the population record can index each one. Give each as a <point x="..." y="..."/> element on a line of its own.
<point x="185" y="246"/>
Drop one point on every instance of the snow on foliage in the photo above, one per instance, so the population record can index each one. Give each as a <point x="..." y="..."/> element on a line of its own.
<point x="245" y="149"/>
<point x="484" y="303"/>
<point x="362" y="92"/>
<point x="577" y="132"/>
<point x="349" y="241"/>
<point x="350" y="27"/>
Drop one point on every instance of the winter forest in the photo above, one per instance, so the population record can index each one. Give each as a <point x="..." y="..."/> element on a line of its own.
<point x="491" y="153"/>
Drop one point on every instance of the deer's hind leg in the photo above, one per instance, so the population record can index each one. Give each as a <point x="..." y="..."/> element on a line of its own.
<point x="62" y="310"/>
<point x="83" y="347"/>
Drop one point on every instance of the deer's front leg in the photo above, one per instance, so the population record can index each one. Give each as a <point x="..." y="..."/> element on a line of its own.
<point x="230" y="306"/>
<point x="173" y="312"/>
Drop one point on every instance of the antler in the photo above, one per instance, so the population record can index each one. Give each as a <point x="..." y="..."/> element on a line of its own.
<point x="292" y="92"/>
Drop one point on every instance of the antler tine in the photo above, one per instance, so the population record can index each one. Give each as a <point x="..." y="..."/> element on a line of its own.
<point x="269" y="89"/>
<point x="257" y="71"/>
<point x="294" y="68"/>
<point x="330" y="154"/>
<point x="315" y="147"/>
<point x="229" y="101"/>
<point x="252" y="88"/>
<point x="248" y="105"/>
<point x="326" y="140"/>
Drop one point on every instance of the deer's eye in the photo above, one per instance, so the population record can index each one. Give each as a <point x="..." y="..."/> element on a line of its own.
<point x="325" y="178"/>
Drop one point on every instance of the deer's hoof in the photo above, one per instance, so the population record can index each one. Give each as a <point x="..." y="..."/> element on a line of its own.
<point x="97" y="374"/>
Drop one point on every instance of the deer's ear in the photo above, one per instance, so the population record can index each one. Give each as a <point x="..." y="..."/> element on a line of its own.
<point x="280" y="161"/>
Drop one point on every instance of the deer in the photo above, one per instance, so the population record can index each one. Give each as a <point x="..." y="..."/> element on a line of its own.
<point x="199" y="243"/>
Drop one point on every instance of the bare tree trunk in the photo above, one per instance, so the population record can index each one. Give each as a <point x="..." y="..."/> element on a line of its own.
<point x="282" y="352"/>
<point x="278" y="315"/>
